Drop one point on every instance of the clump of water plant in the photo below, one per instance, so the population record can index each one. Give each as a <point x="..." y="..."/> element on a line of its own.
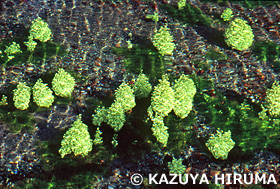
<point x="220" y="144"/>
<point x="21" y="96"/>
<point x="142" y="87"/>
<point x="239" y="35"/>
<point x="42" y="94"/>
<point x="63" y="83"/>
<point x="227" y="14"/>
<point x="115" y="114"/>
<point x="76" y="139"/>
<point x="166" y="98"/>
<point x="163" y="41"/>
<point x="39" y="30"/>
<point x="12" y="50"/>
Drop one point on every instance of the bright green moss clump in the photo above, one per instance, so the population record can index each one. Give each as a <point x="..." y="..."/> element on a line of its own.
<point x="160" y="131"/>
<point x="162" y="102"/>
<point x="63" y="83"/>
<point x="239" y="35"/>
<point x="98" y="140"/>
<point x="31" y="44"/>
<point x="154" y="17"/>
<point x="3" y="101"/>
<point x="220" y="144"/>
<point x="39" y="30"/>
<point x="42" y="94"/>
<point x="76" y="139"/>
<point x="100" y="116"/>
<point x="181" y="4"/>
<point x="227" y="15"/>
<point x="11" y="50"/>
<point x="163" y="97"/>
<point x="166" y="98"/>
<point x="184" y="91"/>
<point x="125" y="97"/>
<point x="176" y="166"/>
<point x="22" y="96"/>
<point x="273" y="100"/>
<point x="163" y="41"/>
<point x="115" y="114"/>
<point x="142" y="87"/>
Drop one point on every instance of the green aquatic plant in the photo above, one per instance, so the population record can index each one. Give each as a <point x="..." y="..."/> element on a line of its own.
<point x="268" y="51"/>
<point x="22" y="96"/>
<point x="3" y="101"/>
<point x="76" y="139"/>
<point x="187" y="14"/>
<point x="163" y="41"/>
<point x="114" y="141"/>
<point x="124" y="102"/>
<point x="227" y="14"/>
<point x="42" y="94"/>
<point x="100" y="116"/>
<point x="166" y="98"/>
<point x="39" y="30"/>
<point x="125" y="97"/>
<point x="181" y="4"/>
<point x="129" y="44"/>
<point x="154" y="17"/>
<point x="162" y="100"/>
<point x="272" y="99"/>
<point x="98" y="140"/>
<point x="239" y="35"/>
<point x="115" y="114"/>
<point x="220" y="144"/>
<point x="160" y="131"/>
<point x="12" y="50"/>
<point x="176" y="166"/>
<point x="31" y="44"/>
<point x="142" y="57"/>
<point x="142" y="87"/>
<point x="184" y="91"/>
<point x="63" y="83"/>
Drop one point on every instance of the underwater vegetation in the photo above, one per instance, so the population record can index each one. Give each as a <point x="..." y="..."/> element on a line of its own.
<point x="163" y="41"/>
<point x="249" y="132"/>
<point x="142" y="58"/>
<point x="32" y="46"/>
<point x="76" y="140"/>
<point x="22" y="96"/>
<point x="42" y="94"/>
<point x="220" y="144"/>
<point x="268" y="51"/>
<point x="152" y="111"/>
<point x="239" y="35"/>
<point x="176" y="166"/>
<point x="227" y="14"/>
<point x="62" y="84"/>
<point x="187" y="14"/>
<point x="245" y="3"/>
